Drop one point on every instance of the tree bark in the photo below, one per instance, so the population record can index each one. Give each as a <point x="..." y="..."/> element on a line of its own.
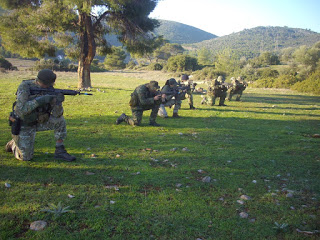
<point x="87" y="50"/>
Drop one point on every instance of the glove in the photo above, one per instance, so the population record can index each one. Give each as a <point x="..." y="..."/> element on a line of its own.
<point x="43" y="100"/>
<point x="60" y="98"/>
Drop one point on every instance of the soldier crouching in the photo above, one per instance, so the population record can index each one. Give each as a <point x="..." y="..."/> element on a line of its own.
<point x="33" y="113"/>
<point x="144" y="97"/>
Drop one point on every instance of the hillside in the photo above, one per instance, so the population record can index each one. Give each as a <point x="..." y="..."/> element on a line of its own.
<point x="181" y="33"/>
<point x="260" y="39"/>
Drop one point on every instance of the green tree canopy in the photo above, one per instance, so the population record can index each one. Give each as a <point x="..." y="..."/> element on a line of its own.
<point x="35" y="28"/>
<point x="115" y="60"/>
<point x="182" y="63"/>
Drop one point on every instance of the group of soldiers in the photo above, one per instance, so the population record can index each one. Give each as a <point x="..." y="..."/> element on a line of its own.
<point x="33" y="112"/>
<point x="217" y="88"/>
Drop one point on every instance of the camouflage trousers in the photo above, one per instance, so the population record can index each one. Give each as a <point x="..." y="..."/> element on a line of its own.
<point x="211" y="99"/>
<point x="23" y="146"/>
<point x="162" y="110"/>
<point x="136" y="118"/>
<point x="239" y="94"/>
<point x="190" y="98"/>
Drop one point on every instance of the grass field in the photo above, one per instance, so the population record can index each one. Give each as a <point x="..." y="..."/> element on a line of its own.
<point x="149" y="182"/>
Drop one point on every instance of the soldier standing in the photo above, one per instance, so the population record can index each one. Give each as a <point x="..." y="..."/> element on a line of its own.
<point x="33" y="113"/>
<point x="237" y="89"/>
<point x="144" y="97"/>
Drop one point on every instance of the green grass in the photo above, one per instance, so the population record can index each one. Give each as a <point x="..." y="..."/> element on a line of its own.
<point x="158" y="193"/>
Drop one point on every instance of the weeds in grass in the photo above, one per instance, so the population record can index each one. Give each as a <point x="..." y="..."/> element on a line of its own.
<point x="56" y="210"/>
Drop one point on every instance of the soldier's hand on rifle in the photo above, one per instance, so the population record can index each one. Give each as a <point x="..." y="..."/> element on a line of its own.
<point x="43" y="100"/>
<point x="157" y="97"/>
<point x="59" y="98"/>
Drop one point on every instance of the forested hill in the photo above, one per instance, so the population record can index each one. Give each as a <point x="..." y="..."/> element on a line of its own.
<point x="181" y="33"/>
<point x="260" y="39"/>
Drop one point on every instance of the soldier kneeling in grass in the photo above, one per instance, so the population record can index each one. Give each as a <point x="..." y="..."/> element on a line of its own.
<point x="144" y="97"/>
<point x="32" y="113"/>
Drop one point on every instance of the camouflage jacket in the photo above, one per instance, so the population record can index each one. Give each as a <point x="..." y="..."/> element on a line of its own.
<point x="239" y="87"/>
<point x="216" y="88"/>
<point x="142" y="98"/>
<point x="27" y="108"/>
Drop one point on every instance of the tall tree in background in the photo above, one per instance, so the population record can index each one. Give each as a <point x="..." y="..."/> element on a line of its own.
<point x="35" y="28"/>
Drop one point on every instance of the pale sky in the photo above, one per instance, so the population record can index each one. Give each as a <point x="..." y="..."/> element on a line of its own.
<point x="223" y="17"/>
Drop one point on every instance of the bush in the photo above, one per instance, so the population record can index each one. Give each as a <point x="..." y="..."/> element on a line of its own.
<point x="182" y="63"/>
<point x="268" y="72"/>
<point x="6" y="64"/>
<point x="284" y="81"/>
<point x="207" y="73"/>
<point x="131" y="65"/>
<point x="264" y="83"/>
<point x="155" y="67"/>
<point x="55" y="65"/>
<point x="310" y="85"/>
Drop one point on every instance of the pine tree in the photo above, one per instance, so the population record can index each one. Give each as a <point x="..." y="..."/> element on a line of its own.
<point x="36" y="28"/>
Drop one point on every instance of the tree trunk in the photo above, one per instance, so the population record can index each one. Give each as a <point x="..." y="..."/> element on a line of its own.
<point x="87" y="50"/>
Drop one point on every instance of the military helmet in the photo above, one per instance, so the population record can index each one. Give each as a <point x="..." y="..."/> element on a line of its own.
<point x="184" y="77"/>
<point x="220" y="78"/>
<point x="172" y="81"/>
<point x="46" y="76"/>
<point x="154" y="85"/>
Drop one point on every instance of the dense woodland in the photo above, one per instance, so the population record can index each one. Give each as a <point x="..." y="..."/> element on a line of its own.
<point x="272" y="57"/>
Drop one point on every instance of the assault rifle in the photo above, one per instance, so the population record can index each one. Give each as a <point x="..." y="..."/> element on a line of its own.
<point x="55" y="91"/>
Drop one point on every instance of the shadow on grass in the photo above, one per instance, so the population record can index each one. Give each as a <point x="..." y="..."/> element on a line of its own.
<point x="283" y="99"/>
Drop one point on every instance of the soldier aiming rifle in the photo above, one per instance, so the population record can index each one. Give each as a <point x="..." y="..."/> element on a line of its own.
<point x="173" y="96"/>
<point x="237" y="89"/>
<point x="38" y="107"/>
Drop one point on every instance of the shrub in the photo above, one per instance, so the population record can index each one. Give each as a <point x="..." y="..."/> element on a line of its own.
<point x="155" y="67"/>
<point x="268" y="72"/>
<point x="264" y="83"/>
<point x="284" y="81"/>
<point x="310" y="85"/>
<point x="55" y="64"/>
<point x="6" y="64"/>
<point x="208" y="73"/>
<point x="182" y="63"/>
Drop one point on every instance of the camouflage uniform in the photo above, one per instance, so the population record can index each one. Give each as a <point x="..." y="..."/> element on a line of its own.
<point x="190" y="88"/>
<point x="33" y="119"/>
<point x="142" y="99"/>
<point x="237" y="89"/>
<point x="172" y="98"/>
<point x="216" y="89"/>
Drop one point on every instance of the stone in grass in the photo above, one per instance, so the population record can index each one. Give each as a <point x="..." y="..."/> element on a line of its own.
<point x="185" y="149"/>
<point x="38" y="225"/>
<point x="289" y="195"/>
<point x="206" y="179"/>
<point x="245" y="197"/>
<point x="244" y="215"/>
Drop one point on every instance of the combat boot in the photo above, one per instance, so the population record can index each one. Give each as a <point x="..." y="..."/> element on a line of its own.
<point x="175" y="115"/>
<point x="62" y="154"/>
<point x="9" y="145"/>
<point x="154" y="124"/>
<point x="121" y="118"/>
<point x="192" y="107"/>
